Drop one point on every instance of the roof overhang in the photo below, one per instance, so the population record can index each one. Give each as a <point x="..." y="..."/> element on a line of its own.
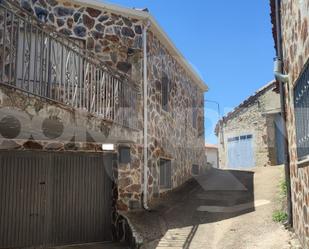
<point x="248" y="101"/>
<point x="155" y="28"/>
<point x="273" y="21"/>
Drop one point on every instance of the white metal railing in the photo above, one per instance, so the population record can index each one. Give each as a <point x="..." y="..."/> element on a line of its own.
<point x="51" y="66"/>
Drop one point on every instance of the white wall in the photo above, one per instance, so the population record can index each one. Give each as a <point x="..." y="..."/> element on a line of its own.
<point x="212" y="157"/>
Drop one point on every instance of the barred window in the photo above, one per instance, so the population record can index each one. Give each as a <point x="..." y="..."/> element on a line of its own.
<point x="301" y="104"/>
<point x="194" y="114"/>
<point x="124" y="155"/>
<point x="195" y="170"/>
<point x="165" y="92"/>
<point x="165" y="173"/>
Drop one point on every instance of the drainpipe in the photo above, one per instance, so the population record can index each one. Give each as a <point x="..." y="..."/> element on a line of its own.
<point x="283" y="79"/>
<point x="145" y="97"/>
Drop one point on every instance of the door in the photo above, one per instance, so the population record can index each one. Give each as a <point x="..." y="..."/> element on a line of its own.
<point x="240" y="152"/>
<point x="280" y="140"/>
<point x="79" y="200"/>
<point x="22" y="195"/>
<point x="54" y="198"/>
<point x="43" y="63"/>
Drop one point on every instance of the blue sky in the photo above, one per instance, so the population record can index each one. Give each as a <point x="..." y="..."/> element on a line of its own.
<point x="229" y="43"/>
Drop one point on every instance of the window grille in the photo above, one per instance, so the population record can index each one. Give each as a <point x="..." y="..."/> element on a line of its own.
<point x="165" y="92"/>
<point x="165" y="173"/>
<point x="301" y="104"/>
<point x="195" y="170"/>
<point x="124" y="155"/>
<point x="194" y="115"/>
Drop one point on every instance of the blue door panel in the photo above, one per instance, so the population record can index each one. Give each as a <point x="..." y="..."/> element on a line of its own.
<point x="240" y="152"/>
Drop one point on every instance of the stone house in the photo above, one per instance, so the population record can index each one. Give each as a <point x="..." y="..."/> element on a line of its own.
<point x="290" y="30"/>
<point x="85" y="85"/>
<point x="251" y="135"/>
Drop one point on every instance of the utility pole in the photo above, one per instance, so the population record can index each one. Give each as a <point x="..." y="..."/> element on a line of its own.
<point x="221" y="128"/>
<point x="218" y="105"/>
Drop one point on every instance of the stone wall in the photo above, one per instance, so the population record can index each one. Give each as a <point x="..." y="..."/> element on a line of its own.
<point x="252" y="118"/>
<point x="295" y="17"/>
<point x="117" y="40"/>
<point x="172" y="134"/>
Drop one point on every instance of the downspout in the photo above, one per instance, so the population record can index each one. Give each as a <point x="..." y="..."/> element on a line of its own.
<point x="283" y="79"/>
<point x="145" y="97"/>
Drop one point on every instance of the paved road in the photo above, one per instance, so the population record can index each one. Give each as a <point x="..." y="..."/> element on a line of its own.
<point x="225" y="209"/>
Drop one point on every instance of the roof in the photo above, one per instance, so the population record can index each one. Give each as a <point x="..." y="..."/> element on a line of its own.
<point x="273" y="21"/>
<point x="248" y="101"/>
<point x="211" y="146"/>
<point x="142" y="14"/>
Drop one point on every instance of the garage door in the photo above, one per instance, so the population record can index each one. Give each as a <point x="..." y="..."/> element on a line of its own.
<point x="240" y="152"/>
<point x="54" y="198"/>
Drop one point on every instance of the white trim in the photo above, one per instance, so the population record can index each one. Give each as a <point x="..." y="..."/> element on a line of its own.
<point x="155" y="28"/>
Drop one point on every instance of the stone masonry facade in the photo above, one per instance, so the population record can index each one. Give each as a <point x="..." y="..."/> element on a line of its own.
<point x="255" y="116"/>
<point x="116" y="39"/>
<point x="172" y="134"/>
<point x="295" y="41"/>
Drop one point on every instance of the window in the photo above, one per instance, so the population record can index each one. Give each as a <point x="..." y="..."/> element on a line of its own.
<point x="42" y="52"/>
<point x="301" y="104"/>
<point x="194" y="114"/>
<point x="124" y="155"/>
<point x="165" y="173"/>
<point x="195" y="170"/>
<point x="233" y="139"/>
<point x="165" y="92"/>
<point x="244" y="137"/>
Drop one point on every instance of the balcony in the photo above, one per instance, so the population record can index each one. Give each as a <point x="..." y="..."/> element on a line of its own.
<point x="48" y="65"/>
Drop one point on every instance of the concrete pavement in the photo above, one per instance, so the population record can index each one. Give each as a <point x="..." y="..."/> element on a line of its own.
<point x="224" y="209"/>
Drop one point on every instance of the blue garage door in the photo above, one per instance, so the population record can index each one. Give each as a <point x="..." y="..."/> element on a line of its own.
<point x="240" y="152"/>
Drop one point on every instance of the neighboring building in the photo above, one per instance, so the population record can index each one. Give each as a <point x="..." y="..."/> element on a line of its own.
<point x="250" y="136"/>
<point x="71" y="79"/>
<point x="293" y="48"/>
<point x="211" y="151"/>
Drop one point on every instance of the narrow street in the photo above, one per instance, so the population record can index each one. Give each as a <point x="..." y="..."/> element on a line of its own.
<point x="225" y="209"/>
<point x="146" y="124"/>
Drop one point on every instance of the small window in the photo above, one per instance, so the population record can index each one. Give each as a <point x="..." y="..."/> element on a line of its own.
<point x="124" y="155"/>
<point x="195" y="170"/>
<point x="233" y="139"/>
<point x="165" y="92"/>
<point x="194" y="114"/>
<point x="165" y="173"/>
<point x="244" y="137"/>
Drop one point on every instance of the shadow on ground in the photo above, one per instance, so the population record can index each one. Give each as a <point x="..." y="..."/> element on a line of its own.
<point x="215" y="196"/>
<point x="94" y="246"/>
